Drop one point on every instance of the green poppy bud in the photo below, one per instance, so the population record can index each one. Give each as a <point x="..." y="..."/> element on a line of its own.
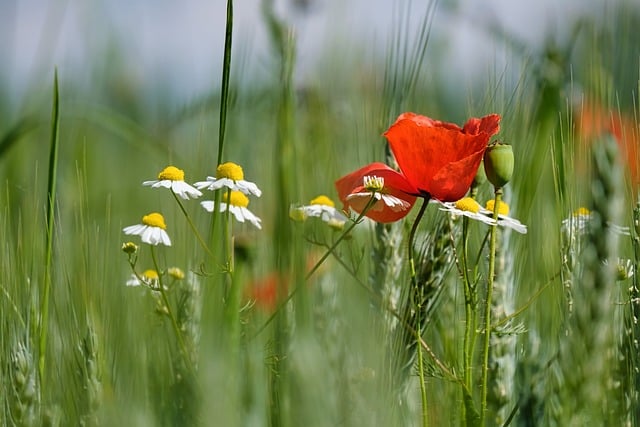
<point x="498" y="164"/>
<point x="481" y="176"/>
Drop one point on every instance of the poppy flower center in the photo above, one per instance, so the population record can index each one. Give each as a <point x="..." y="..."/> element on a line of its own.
<point x="171" y="173"/>
<point x="322" y="200"/>
<point x="230" y="170"/>
<point x="154" y="220"/>
<point x="468" y="204"/>
<point x="503" y="208"/>
<point x="373" y="183"/>
<point x="237" y="198"/>
<point x="150" y="275"/>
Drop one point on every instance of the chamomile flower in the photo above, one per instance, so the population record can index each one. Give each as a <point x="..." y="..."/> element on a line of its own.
<point x="173" y="178"/>
<point x="467" y="207"/>
<point x="373" y="186"/>
<point x="151" y="231"/>
<point x="321" y="207"/>
<point x="470" y="208"/>
<point x="229" y="175"/>
<point x="503" y="218"/>
<point x="578" y="223"/>
<point x="149" y="278"/>
<point x="237" y="204"/>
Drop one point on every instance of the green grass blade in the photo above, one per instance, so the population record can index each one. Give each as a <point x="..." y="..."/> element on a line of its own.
<point x="51" y="199"/>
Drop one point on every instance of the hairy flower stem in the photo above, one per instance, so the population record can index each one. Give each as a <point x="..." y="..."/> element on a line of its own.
<point x="469" y="312"/>
<point x="414" y="285"/>
<point x="487" y="309"/>
<point x="174" y="322"/>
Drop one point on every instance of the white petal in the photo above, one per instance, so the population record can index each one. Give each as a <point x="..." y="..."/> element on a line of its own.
<point x="184" y="190"/>
<point x="248" y="188"/>
<point x="208" y="205"/>
<point x="252" y="218"/>
<point x="134" y="229"/>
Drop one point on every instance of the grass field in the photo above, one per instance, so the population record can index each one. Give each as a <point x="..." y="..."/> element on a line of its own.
<point x="304" y="322"/>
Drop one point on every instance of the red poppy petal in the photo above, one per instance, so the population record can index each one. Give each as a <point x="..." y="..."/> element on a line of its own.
<point x="422" y="152"/>
<point x="394" y="183"/>
<point x="488" y="124"/>
<point x="427" y="121"/>
<point x="452" y="182"/>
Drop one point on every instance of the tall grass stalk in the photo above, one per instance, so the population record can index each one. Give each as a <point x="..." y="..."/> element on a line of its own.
<point x="51" y="201"/>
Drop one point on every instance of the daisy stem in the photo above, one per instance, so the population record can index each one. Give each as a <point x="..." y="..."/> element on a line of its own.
<point x="487" y="308"/>
<point x="226" y="67"/>
<point x="192" y="225"/>
<point x="174" y="322"/>
<point x="318" y="264"/>
<point x="418" y="308"/>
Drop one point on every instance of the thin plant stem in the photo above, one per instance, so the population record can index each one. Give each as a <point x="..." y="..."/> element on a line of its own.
<point x="318" y="264"/>
<point x="192" y="225"/>
<point x="414" y="284"/>
<point x="470" y="315"/>
<point x="487" y="308"/>
<point x="174" y="322"/>
<point x="51" y="201"/>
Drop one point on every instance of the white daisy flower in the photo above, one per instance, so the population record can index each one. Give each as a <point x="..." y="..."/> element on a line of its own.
<point x="374" y="186"/>
<point x="578" y="223"/>
<point x="321" y="207"/>
<point x="237" y="205"/>
<point x="467" y="207"/>
<point x="470" y="208"/>
<point x="503" y="218"/>
<point x="149" y="278"/>
<point x="229" y="175"/>
<point x="151" y="231"/>
<point x="173" y="178"/>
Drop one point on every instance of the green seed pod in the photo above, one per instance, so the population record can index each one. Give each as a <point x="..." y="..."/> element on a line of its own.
<point x="498" y="164"/>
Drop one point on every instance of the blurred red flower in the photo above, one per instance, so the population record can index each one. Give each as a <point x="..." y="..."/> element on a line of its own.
<point x="593" y="121"/>
<point x="437" y="158"/>
<point x="395" y="184"/>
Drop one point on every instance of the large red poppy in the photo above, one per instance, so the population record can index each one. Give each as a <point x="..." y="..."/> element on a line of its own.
<point x="440" y="159"/>
<point x="395" y="184"/>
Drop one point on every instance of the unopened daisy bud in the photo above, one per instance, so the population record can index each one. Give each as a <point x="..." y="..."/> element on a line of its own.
<point x="498" y="164"/>
<point x="129" y="248"/>
<point x="175" y="273"/>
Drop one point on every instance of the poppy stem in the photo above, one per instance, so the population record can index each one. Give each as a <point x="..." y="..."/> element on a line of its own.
<point x="487" y="307"/>
<point x="417" y="300"/>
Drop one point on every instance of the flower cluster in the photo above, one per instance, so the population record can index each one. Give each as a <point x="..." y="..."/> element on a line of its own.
<point x="437" y="160"/>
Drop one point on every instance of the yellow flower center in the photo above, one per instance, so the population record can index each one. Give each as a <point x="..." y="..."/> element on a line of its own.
<point x="171" y="173"/>
<point x="237" y="198"/>
<point x="154" y="220"/>
<point x="373" y="183"/>
<point x="322" y="200"/>
<point x="503" y="208"/>
<point x="229" y="170"/>
<point x="581" y="211"/>
<point x="176" y="273"/>
<point x="468" y="204"/>
<point x="150" y="275"/>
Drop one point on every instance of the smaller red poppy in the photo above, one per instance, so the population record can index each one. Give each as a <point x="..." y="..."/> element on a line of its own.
<point x="395" y="195"/>
<point x="440" y="159"/>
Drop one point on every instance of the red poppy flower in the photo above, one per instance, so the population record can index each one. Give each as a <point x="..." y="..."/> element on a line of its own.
<point x="594" y="121"/>
<point x="395" y="195"/>
<point x="440" y="159"/>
